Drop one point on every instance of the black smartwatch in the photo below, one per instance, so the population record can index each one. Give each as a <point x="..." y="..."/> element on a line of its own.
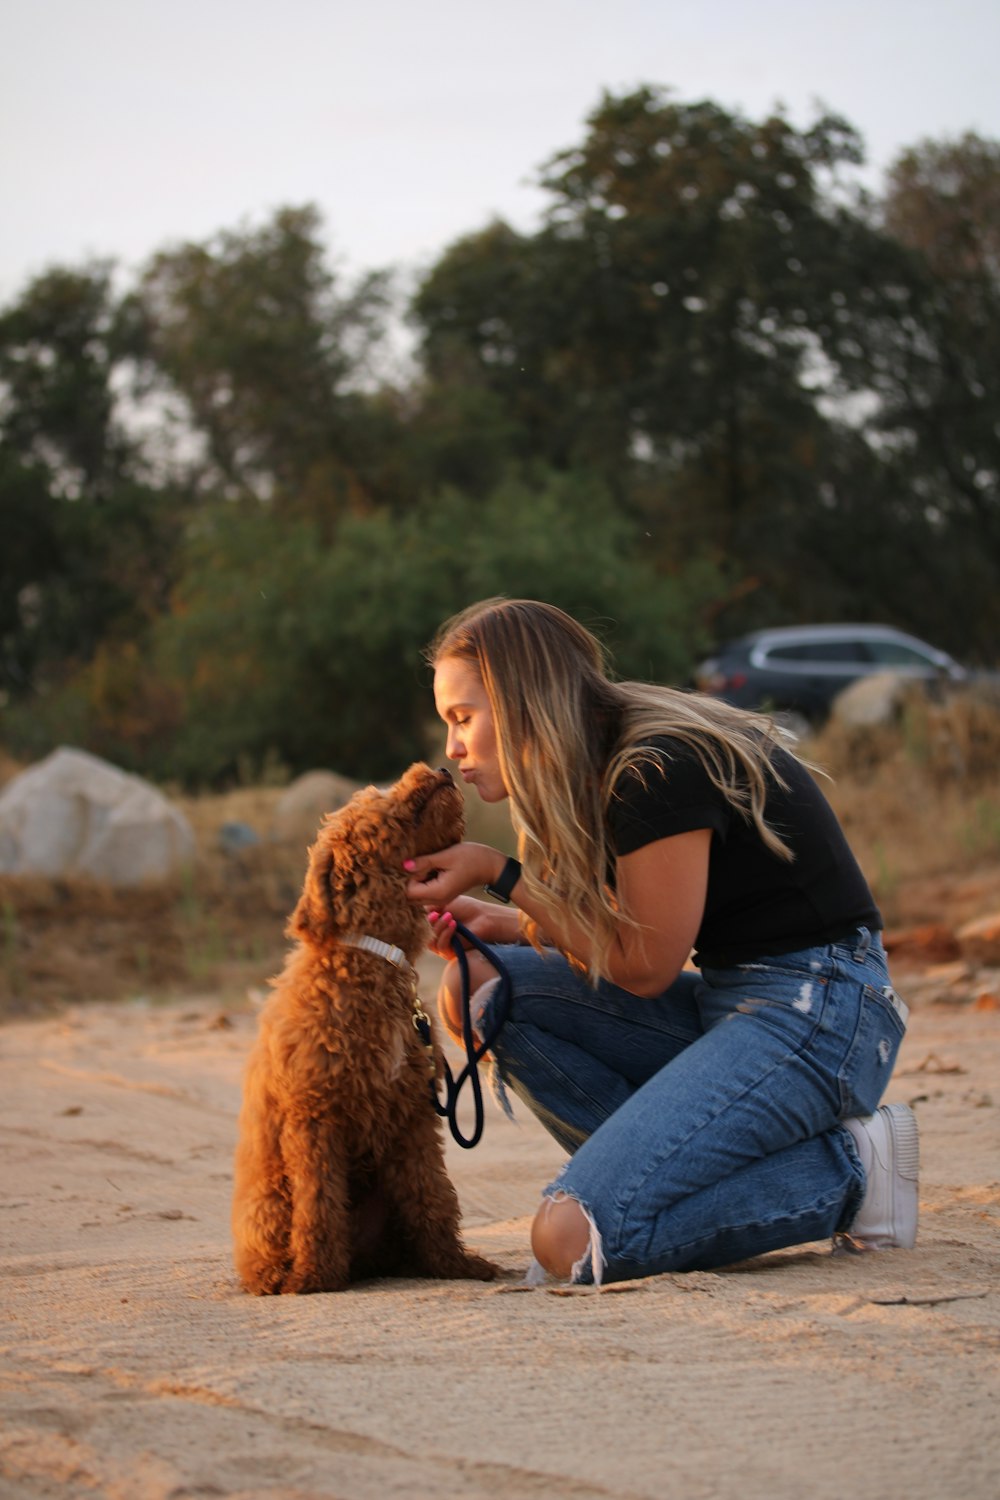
<point x="505" y="882"/>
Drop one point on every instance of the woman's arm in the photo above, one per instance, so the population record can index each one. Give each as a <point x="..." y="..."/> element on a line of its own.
<point x="661" y="887"/>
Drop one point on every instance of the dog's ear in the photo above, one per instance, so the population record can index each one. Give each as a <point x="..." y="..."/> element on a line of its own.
<point x="359" y="849"/>
<point x="315" y="916"/>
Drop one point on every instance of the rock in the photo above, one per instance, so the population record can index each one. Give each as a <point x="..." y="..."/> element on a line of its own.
<point x="980" y="940"/>
<point x="870" y="701"/>
<point x="301" y="806"/>
<point x="930" y="943"/>
<point x="235" y="837"/>
<point x="74" y="814"/>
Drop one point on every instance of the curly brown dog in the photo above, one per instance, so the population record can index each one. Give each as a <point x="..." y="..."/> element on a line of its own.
<point x="340" y="1164"/>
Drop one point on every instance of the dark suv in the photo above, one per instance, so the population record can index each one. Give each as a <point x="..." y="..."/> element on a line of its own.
<point x="797" y="671"/>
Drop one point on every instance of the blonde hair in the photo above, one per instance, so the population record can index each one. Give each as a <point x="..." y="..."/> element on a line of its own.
<point x="565" y="733"/>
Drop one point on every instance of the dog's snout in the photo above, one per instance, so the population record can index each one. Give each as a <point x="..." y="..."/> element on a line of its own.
<point x="445" y="774"/>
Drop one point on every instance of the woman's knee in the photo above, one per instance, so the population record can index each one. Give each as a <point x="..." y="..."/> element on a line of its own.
<point x="560" y="1235"/>
<point x="450" y="991"/>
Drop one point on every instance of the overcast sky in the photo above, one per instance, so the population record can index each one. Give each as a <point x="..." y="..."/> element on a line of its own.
<point x="126" y="125"/>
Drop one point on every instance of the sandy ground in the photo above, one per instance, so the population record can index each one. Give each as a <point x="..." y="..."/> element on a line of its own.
<point x="133" y="1367"/>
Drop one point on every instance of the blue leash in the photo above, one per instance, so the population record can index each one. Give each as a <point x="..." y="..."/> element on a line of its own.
<point x="473" y="1053"/>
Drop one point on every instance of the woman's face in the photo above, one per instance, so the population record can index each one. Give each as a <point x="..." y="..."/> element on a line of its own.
<point x="461" y="701"/>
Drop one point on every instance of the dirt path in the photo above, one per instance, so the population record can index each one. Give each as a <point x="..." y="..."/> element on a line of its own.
<point x="134" y="1368"/>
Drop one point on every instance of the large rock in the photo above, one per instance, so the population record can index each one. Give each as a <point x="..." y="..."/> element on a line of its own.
<point x="301" y="805"/>
<point x="871" y="701"/>
<point x="74" y="814"/>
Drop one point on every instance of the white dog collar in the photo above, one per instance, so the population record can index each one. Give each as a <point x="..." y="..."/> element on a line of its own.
<point x="375" y="945"/>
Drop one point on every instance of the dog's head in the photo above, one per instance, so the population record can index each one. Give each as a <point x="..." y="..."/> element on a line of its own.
<point x="356" y="882"/>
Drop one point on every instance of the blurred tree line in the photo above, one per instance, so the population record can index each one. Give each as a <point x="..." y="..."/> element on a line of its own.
<point x="721" y="386"/>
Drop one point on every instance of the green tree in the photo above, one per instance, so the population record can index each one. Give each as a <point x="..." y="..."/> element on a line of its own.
<point x="60" y="343"/>
<point x="89" y="541"/>
<point x="27" y="560"/>
<point x="757" y="359"/>
<point x="938" y="396"/>
<point x="280" y="646"/>
<point x="698" y="276"/>
<point x="269" y="354"/>
<point x="943" y="199"/>
<point x="909" y="528"/>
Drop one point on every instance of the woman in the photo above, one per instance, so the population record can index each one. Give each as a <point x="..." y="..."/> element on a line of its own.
<point x="711" y="1113"/>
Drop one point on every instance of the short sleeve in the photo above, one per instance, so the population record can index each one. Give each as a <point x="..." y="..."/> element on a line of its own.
<point x="664" y="793"/>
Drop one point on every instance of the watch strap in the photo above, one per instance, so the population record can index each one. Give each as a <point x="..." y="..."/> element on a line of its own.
<point x="505" y="882"/>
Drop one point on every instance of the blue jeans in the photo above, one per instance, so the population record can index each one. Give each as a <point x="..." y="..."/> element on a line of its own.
<point x="702" y="1125"/>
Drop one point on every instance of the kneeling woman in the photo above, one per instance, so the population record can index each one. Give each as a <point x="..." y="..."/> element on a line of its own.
<point x="714" y="1113"/>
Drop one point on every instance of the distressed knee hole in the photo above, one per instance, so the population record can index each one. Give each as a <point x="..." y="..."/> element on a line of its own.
<point x="565" y="1238"/>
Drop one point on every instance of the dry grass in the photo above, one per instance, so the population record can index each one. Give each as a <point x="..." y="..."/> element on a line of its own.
<point x="920" y="801"/>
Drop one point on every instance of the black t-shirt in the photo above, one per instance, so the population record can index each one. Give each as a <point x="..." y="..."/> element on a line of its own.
<point x="757" y="903"/>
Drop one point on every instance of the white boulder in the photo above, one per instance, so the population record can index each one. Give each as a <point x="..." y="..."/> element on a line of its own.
<point x="871" y="701"/>
<point x="301" y="806"/>
<point x="74" y="814"/>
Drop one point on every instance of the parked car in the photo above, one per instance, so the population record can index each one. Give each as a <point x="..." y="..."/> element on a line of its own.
<point x="796" y="671"/>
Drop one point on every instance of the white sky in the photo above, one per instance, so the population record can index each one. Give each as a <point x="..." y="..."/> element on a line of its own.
<point x="126" y="125"/>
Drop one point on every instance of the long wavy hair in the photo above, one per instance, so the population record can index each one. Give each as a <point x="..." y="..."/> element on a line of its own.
<point x="565" y="733"/>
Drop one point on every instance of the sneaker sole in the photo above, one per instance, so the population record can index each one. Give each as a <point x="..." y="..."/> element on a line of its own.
<point x="905" y="1169"/>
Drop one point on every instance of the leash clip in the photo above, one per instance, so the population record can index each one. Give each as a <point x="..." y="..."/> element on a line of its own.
<point x="422" y="1026"/>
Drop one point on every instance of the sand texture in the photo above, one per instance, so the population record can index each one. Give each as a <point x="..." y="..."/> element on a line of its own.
<point x="133" y="1367"/>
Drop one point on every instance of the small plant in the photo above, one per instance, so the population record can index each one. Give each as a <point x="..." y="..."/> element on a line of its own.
<point x="980" y="834"/>
<point x="141" y="960"/>
<point x="915" y="731"/>
<point x="190" y="903"/>
<point x="11" y="944"/>
<point x="885" y="877"/>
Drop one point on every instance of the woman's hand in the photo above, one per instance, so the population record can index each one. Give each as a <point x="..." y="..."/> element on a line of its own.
<point x="437" y="880"/>
<point x="487" y="921"/>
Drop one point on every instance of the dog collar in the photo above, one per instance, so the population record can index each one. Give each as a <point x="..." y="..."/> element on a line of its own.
<point x="421" y="1020"/>
<point x="387" y="951"/>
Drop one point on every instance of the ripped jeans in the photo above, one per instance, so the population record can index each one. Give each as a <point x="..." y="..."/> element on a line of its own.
<point x="702" y="1124"/>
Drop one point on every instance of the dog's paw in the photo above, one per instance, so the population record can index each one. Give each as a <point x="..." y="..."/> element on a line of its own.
<point x="305" y="1283"/>
<point x="263" y="1281"/>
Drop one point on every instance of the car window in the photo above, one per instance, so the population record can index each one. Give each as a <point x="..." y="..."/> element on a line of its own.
<point x="825" y="651"/>
<point x="895" y="654"/>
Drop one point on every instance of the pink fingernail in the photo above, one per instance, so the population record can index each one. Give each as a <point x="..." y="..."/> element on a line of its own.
<point x="409" y="864"/>
<point x="432" y="916"/>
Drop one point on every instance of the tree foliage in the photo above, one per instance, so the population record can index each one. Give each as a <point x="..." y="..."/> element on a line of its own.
<point x="89" y="543"/>
<point x="710" y="318"/>
<point x="666" y="326"/>
<point x="59" y="345"/>
<point x="254" y="333"/>
<point x="940" y="411"/>
<point x="719" y="386"/>
<point x="281" y="647"/>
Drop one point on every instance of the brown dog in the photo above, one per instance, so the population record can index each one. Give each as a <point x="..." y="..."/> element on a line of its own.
<point x="340" y="1164"/>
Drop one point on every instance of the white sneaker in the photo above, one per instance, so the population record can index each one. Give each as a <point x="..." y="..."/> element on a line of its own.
<point x="889" y="1150"/>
